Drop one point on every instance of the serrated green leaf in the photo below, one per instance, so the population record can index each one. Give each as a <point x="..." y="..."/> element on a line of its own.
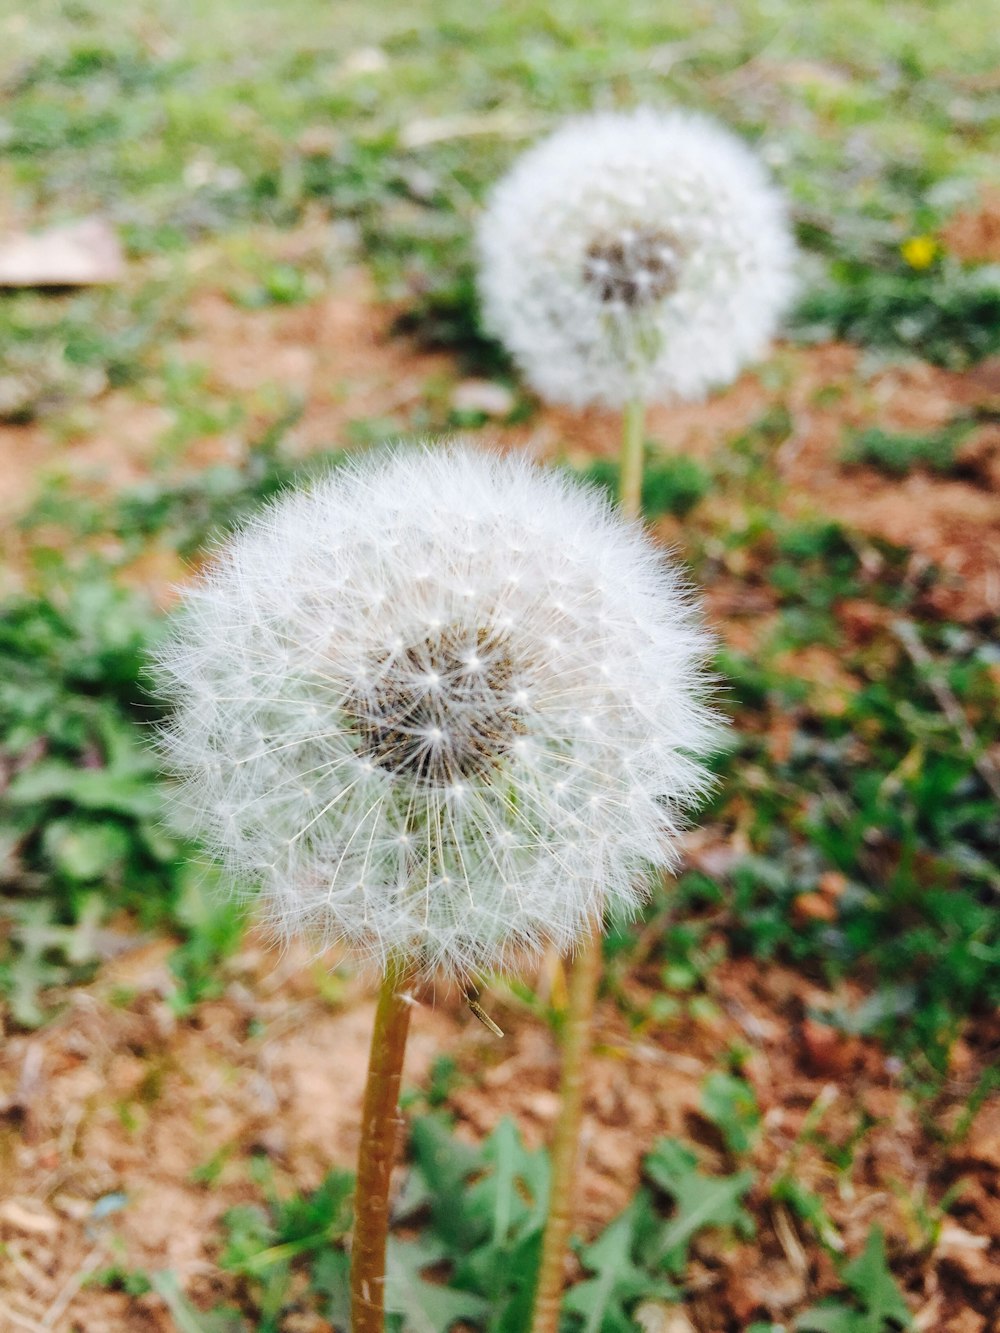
<point x="490" y="1229"/>
<point x="731" y="1105"/>
<point x="250" y="1231"/>
<point x="322" y="1217"/>
<point x="185" y="1316"/>
<point x="124" y="793"/>
<point x="512" y="1198"/>
<point x="331" y="1276"/>
<point x="809" y="1207"/>
<point x="85" y="850"/>
<point x="870" y="1279"/>
<point x="444" y="1165"/>
<point x="259" y="1242"/>
<point x="618" y="1280"/>
<point x="506" y="1276"/>
<point x="38" y="935"/>
<point x="23" y="978"/>
<point x="82" y="941"/>
<point x="701" y="1201"/>
<point x="882" y="1305"/>
<point x="831" y="1317"/>
<point x="426" y="1307"/>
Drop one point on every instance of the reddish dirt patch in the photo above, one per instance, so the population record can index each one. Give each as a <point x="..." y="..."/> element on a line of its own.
<point x="974" y="235"/>
<point x="952" y="523"/>
<point x="110" y="1101"/>
<point x="107" y="1101"/>
<point x="335" y="354"/>
<point x="338" y="356"/>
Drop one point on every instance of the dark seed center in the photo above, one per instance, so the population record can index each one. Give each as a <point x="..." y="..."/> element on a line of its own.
<point x="634" y="268"/>
<point x="442" y="709"/>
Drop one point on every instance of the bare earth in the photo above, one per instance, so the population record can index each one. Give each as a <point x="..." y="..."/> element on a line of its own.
<point x="118" y="1097"/>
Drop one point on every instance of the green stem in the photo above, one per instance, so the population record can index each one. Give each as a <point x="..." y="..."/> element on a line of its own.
<point x="633" y="439"/>
<point x="585" y="976"/>
<point x="379" y="1124"/>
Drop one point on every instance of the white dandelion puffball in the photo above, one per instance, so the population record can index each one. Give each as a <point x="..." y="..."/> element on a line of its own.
<point x="638" y="255"/>
<point x="442" y="706"/>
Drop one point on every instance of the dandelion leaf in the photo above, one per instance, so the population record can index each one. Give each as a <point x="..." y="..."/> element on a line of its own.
<point x="426" y="1307"/>
<point x="604" y="1299"/>
<point x="701" y="1201"/>
<point x="883" y="1309"/>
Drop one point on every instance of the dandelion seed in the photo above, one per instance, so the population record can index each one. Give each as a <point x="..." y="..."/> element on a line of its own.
<point x="454" y="790"/>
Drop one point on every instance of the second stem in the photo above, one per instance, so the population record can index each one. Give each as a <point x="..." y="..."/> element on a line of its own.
<point x="585" y="976"/>
<point x="633" y="443"/>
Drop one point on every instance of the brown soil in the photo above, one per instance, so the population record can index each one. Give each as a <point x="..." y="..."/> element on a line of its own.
<point x="974" y="234"/>
<point x="119" y="1097"/>
<point x="337" y="353"/>
<point x="111" y="1100"/>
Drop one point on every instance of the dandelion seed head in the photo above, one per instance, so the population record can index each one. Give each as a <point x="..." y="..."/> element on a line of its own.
<point x="430" y="774"/>
<point x="634" y="255"/>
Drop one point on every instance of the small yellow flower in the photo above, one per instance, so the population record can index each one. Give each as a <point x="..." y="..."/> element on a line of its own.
<point x="919" y="251"/>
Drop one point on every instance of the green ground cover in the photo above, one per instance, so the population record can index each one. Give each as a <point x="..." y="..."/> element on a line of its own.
<point x="203" y="130"/>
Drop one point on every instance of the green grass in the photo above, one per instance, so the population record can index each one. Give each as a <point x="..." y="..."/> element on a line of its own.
<point x="950" y="316"/>
<point x="189" y="142"/>
<point x="898" y="454"/>
<point x="82" y="838"/>
<point x="188" y="515"/>
<point x="59" y="350"/>
<point x="155" y="119"/>
<point x="205" y="133"/>
<point x="474" y="1216"/>
<point x="468" y="1237"/>
<point x="669" y="486"/>
<point x="883" y="791"/>
<point x="886" y="793"/>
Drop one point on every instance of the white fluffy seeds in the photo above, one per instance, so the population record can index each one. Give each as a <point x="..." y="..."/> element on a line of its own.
<point x="634" y="256"/>
<point x="390" y="717"/>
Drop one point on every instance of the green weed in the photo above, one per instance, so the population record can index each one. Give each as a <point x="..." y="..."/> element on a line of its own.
<point x="669" y="486"/>
<point x="897" y="454"/>
<point x="82" y="834"/>
<point x="887" y="794"/>
<point x="731" y="1105"/>
<point x="56" y="350"/>
<point x="472" y="1220"/>
<point x="874" y="1305"/>
<point x="949" y="315"/>
<point x="191" y="513"/>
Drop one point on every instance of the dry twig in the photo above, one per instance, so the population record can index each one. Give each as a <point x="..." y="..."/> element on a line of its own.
<point x="947" y="702"/>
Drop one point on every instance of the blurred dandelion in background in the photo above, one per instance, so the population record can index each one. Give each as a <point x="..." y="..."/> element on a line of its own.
<point x="630" y="257"/>
<point x="634" y="256"/>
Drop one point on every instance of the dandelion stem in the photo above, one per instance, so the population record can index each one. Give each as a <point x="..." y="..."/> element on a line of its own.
<point x="633" y="439"/>
<point x="377" y="1154"/>
<point x="583" y="981"/>
<point x="585" y="977"/>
